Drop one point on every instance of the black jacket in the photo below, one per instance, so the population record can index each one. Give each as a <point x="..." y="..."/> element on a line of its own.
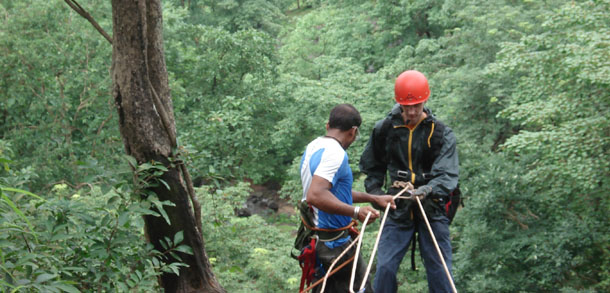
<point x="427" y="154"/>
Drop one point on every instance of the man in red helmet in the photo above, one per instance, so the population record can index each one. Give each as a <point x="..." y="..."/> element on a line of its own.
<point x="411" y="145"/>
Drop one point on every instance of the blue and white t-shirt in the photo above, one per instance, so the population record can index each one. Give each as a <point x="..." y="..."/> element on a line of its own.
<point x="326" y="158"/>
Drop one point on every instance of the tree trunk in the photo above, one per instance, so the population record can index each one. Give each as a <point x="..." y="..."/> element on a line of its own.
<point x="141" y="92"/>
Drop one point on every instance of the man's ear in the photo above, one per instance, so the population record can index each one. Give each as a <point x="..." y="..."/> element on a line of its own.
<point x="354" y="132"/>
<point x="327" y="126"/>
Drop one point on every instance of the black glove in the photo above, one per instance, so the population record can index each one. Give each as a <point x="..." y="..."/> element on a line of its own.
<point x="422" y="191"/>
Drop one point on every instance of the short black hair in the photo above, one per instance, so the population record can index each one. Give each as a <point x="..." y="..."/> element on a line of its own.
<point x="344" y="117"/>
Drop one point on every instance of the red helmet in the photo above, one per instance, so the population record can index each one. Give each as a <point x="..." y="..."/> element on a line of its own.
<point x="411" y="88"/>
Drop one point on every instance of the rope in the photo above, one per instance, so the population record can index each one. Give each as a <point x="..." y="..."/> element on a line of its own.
<point x="355" y="265"/>
<point x="338" y="258"/>
<point x="351" y="224"/>
<point x="440" y="254"/>
<point x="329" y="274"/>
<point x="359" y="238"/>
<point x="385" y="216"/>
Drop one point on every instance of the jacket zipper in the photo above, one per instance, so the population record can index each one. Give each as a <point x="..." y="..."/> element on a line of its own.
<point x="411" y="130"/>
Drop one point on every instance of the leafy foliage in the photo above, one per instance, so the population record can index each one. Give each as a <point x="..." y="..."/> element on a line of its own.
<point x="560" y="92"/>
<point x="559" y="101"/>
<point x="523" y="84"/>
<point x="237" y="15"/>
<point x="224" y="82"/>
<point x="79" y="240"/>
<point x="56" y="109"/>
<point x="248" y="254"/>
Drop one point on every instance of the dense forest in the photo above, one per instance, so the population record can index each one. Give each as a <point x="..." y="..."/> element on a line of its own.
<point x="523" y="84"/>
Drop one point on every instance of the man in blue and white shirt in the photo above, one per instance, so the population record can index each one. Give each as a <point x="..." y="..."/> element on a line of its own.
<point x="327" y="186"/>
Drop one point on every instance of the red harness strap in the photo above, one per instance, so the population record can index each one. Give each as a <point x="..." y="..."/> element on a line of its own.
<point x="307" y="261"/>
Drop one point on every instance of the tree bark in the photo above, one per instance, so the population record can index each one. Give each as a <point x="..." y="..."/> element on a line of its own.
<point x="146" y="120"/>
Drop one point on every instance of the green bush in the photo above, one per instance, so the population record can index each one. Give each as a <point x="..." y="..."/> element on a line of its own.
<point x="248" y="254"/>
<point x="78" y="240"/>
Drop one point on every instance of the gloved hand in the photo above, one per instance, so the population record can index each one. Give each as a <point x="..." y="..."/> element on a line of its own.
<point x="422" y="191"/>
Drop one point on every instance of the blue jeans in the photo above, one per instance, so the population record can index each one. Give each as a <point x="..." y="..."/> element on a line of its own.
<point x="394" y="244"/>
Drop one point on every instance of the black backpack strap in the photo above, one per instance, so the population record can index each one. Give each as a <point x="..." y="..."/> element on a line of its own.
<point x="383" y="138"/>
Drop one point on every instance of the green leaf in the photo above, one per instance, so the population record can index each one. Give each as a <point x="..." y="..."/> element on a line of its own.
<point x="19" y="213"/>
<point x="66" y="287"/>
<point x="112" y="200"/>
<point x="123" y="218"/>
<point x="164" y="183"/>
<point x="159" y="205"/>
<point x="21" y="191"/>
<point x="134" y="278"/>
<point x="45" y="277"/>
<point x="60" y="236"/>
<point x="163" y="243"/>
<point x="174" y="267"/>
<point x="184" y="249"/>
<point x="178" y="237"/>
<point x="175" y="256"/>
<point x="131" y="160"/>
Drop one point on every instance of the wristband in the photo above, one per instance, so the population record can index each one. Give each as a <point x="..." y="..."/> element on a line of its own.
<point x="356" y="212"/>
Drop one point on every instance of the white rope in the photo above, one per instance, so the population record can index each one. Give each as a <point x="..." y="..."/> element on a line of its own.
<point x="359" y="238"/>
<point x="385" y="216"/>
<point x="440" y="254"/>
<point x="330" y="269"/>
<point x="355" y="265"/>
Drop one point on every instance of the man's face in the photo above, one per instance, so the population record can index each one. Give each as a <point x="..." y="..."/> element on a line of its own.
<point x="413" y="112"/>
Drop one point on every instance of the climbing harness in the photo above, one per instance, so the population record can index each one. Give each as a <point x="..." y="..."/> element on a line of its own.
<point x="310" y="266"/>
<point x="332" y="271"/>
<point x="307" y="262"/>
<point x="329" y="274"/>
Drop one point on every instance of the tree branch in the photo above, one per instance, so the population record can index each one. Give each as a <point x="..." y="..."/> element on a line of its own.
<point x="513" y="215"/>
<point x="76" y="7"/>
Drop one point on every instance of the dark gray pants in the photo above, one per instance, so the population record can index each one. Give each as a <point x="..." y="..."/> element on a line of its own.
<point x="339" y="282"/>
<point x="394" y="244"/>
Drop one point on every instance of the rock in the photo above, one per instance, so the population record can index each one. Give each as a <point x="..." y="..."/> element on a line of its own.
<point x="245" y="212"/>
<point x="273" y="205"/>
